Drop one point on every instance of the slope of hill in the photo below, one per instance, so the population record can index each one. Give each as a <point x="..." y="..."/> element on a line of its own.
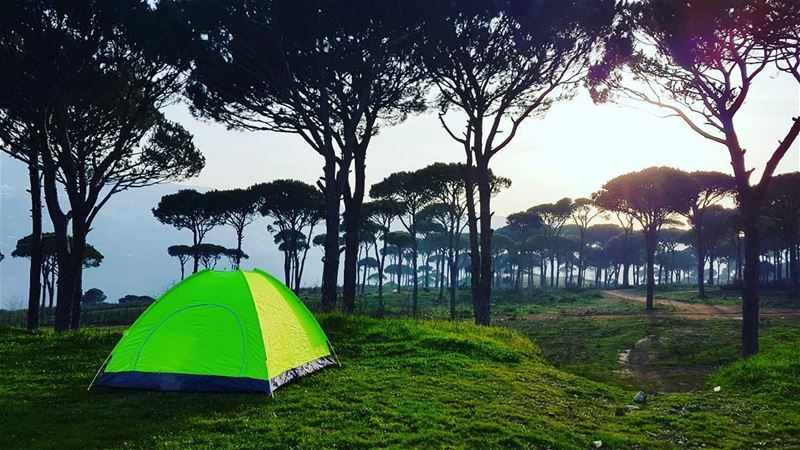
<point x="402" y="384"/>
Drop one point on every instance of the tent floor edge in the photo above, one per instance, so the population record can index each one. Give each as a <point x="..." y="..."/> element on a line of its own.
<point x="159" y="381"/>
<point x="301" y="371"/>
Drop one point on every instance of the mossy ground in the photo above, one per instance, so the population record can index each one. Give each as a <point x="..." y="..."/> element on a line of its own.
<point x="425" y="383"/>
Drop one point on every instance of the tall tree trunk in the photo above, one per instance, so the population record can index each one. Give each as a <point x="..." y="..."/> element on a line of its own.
<point x="80" y="209"/>
<point x="660" y="272"/>
<point x="43" y="306"/>
<point x="483" y="314"/>
<point x="60" y="223"/>
<point x="287" y="269"/>
<point x="651" y="241"/>
<point x="441" y="269"/>
<point x="581" y="251"/>
<point x="399" y="264"/>
<point x="474" y="246"/>
<point x="701" y="260"/>
<point x="794" y="270"/>
<point x="426" y="284"/>
<point x="750" y="295"/>
<point x="364" y="277"/>
<point x="239" y="236"/>
<point x="352" y="223"/>
<point x="453" y="278"/>
<point x="381" y="258"/>
<point x="414" y="278"/>
<point x="330" y="267"/>
<point x="195" y="252"/>
<point x="542" y="272"/>
<point x="351" y="246"/>
<point x="626" y="261"/>
<point x="711" y="268"/>
<point x="35" y="270"/>
<point x="75" y="316"/>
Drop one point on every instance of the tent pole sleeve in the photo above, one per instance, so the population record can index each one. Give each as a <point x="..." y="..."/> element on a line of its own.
<point x="100" y="369"/>
<point x="335" y="356"/>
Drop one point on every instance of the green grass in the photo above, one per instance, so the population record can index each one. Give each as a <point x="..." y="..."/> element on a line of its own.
<point x="669" y="353"/>
<point x="432" y="383"/>
<point x="403" y="384"/>
<point x="773" y="373"/>
<point x="770" y="297"/>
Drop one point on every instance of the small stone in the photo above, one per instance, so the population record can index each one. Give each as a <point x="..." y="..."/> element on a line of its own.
<point x="717" y="388"/>
<point x="640" y="397"/>
<point x="682" y="411"/>
<point x="598" y="444"/>
<point x="631" y="407"/>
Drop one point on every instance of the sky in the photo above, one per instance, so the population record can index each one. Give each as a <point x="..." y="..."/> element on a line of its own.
<point x="570" y="152"/>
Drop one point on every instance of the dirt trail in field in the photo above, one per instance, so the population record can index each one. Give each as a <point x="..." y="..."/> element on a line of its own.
<point x="640" y="364"/>
<point x="666" y="308"/>
<point x="699" y="310"/>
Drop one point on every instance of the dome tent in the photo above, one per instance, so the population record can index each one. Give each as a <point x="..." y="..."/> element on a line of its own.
<point x="219" y="331"/>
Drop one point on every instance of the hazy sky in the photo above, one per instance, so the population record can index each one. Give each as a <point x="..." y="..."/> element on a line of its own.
<point x="571" y="152"/>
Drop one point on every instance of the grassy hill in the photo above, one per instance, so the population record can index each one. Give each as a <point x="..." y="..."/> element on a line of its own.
<point x="403" y="384"/>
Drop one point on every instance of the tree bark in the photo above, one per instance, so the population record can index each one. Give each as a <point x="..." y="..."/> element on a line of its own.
<point x="330" y="267"/>
<point x="651" y="241"/>
<point x="381" y="258"/>
<point x="711" y="269"/>
<point x="701" y="258"/>
<point x="794" y="271"/>
<point x="239" y="236"/>
<point x="627" y="262"/>
<point x="35" y="270"/>
<point x="542" y="272"/>
<point x="483" y="313"/>
<point x="351" y="245"/>
<point x="195" y="253"/>
<point x="75" y="317"/>
<point x="352" y="223"/>
<point x="60" y="223"/>
<point x="472" y="225"/>
<point x="453" y="265"/>
<point x="750" y="295"/>
<point x="287" y="269"/>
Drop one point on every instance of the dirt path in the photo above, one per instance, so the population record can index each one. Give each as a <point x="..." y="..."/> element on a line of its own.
<point x="640" y="364"/>
<point x="700" y="310"/>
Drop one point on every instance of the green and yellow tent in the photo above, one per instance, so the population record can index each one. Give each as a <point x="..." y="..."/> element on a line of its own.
<point x="219" y="331"/>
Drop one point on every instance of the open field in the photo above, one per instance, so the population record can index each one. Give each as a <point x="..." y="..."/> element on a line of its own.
<point x="407" y="383"/>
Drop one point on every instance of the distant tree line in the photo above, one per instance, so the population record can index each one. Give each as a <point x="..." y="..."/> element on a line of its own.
<point x="295" y="207"/>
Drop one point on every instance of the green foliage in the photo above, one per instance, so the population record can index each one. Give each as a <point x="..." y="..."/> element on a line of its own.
<point x="93" y="296"/>
<point x="91" y="256"/>
<point x="189" y="209"/>
<point x="650" y="195"/>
